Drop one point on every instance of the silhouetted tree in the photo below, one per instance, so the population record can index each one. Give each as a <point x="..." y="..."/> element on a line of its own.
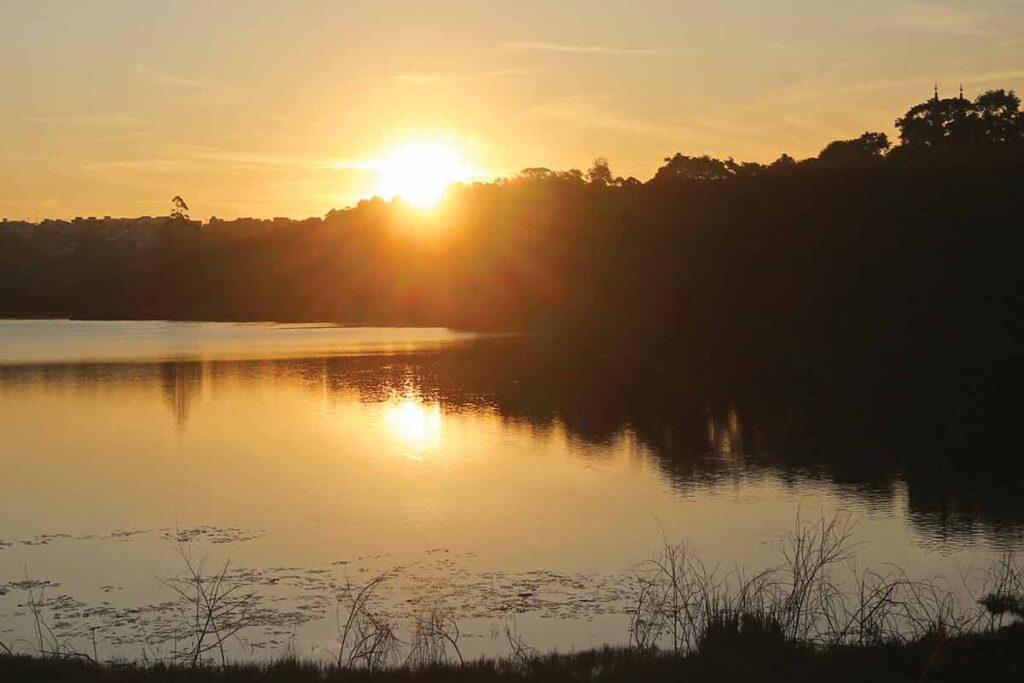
<point x="998" y="117"/>
<point x="743" y="169"/>
<point x="600" y="173"/>
<point x="703" y="168"/>
<point x="956" y="123"/>
<point x="784" y="162"/>
<point x="536" y="173"/>
<point x="573" y="175"/>
<point x="179" y="209"/>
<point x="925" y="125"/>
<point x="868" y="147"/>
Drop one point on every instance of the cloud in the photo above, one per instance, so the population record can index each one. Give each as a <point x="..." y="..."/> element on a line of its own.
<point x="832" y="87"/>
<point x="178" y="157"/>
<point x="434" y="78"/>
<point x="714" y="135"/>
<point x="420" y="79"/>
<point x="587" y="111"/>
<point x="142" y="165"/>
<point x="163" y="78"/>
<point x="246" y="159"/>
<point x="115" y="120"/>
<point x="985" y="77"/>
<point x="935" y="18"/>
<point x="586" y="49"/>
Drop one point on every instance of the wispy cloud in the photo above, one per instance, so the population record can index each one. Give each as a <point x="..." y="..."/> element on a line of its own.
<point x="693" y="134"/>
<point x="940" y="18"/>
<point x="986" y="77"/>
<point x="177" y="157"/>
<point x="435" y="78"/>
<point x="587" y="49"/>
<point x="113" y="120"/>
<point x="589" y="111"/>
<point x="831" y="87"/>
<point x="421" y="79"/>
<point x="139" y="165"/>
<point x="155" y="76"/>
<point x="247" y="159"/>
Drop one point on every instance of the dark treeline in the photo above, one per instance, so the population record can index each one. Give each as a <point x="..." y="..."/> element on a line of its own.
<point x="890" y="271"/>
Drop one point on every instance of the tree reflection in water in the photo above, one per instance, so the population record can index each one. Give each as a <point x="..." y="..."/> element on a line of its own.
<point x="696" y="432"/>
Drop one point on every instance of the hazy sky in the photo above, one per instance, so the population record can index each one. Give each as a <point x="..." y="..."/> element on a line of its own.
<point x="276" y="108"/>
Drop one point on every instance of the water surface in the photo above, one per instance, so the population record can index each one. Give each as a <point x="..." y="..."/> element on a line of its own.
<point x="514" y="484"/>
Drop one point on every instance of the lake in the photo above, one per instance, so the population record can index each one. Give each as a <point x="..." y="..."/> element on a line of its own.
<point x="519" y="484"/>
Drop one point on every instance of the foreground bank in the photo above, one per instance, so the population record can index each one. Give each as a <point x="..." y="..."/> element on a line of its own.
<point x="998" y="655"/>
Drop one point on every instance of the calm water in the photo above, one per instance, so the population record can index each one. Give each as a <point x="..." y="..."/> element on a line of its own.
<point x="511" y="485"/>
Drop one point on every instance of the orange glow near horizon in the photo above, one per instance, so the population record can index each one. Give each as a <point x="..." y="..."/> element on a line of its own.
<point x="421" y="173"/>
<point x="267" y="125"/>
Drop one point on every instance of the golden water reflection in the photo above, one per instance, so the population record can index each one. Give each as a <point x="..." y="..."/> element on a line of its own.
<point x="415" y="424"/>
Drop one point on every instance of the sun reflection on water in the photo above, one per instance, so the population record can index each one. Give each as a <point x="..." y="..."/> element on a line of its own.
<point x="414" y="424"/>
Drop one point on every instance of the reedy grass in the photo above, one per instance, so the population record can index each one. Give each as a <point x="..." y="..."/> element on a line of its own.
<point x="684" y="614"/>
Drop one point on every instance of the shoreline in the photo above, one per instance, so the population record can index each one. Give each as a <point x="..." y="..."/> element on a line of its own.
<point x="936" y="657"/>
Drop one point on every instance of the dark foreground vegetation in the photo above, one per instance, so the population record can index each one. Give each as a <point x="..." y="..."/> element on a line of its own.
<point x="982" y="657"/>
<point x="814" y="616"/>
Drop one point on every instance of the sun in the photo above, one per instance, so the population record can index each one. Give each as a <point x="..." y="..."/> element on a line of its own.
<point x="420" y="173"/>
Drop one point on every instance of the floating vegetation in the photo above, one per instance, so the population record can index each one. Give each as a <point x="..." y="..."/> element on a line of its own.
<point x="285" y="599"/>
<point x="212" y="534"/>
<point x="201" y="534"/>
<point x="46" y="539"/>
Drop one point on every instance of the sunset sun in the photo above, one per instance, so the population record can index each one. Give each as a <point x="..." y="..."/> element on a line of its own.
<point x="420" y="173"/>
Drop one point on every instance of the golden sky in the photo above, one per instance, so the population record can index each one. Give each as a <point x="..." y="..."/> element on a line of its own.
<point x="263" y="108"/>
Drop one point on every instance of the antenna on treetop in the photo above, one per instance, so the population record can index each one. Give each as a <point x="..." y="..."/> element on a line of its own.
<point x="936" y="91"/>
<point x="961" y="91"/>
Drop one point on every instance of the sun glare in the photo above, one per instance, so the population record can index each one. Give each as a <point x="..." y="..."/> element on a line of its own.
<point x="420" y="173"/>
<point x="414" y="424"/>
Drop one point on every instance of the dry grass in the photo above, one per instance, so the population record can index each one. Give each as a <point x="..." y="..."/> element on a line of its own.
<point x="683" y="605"/>
<point x="214" y="609"/>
